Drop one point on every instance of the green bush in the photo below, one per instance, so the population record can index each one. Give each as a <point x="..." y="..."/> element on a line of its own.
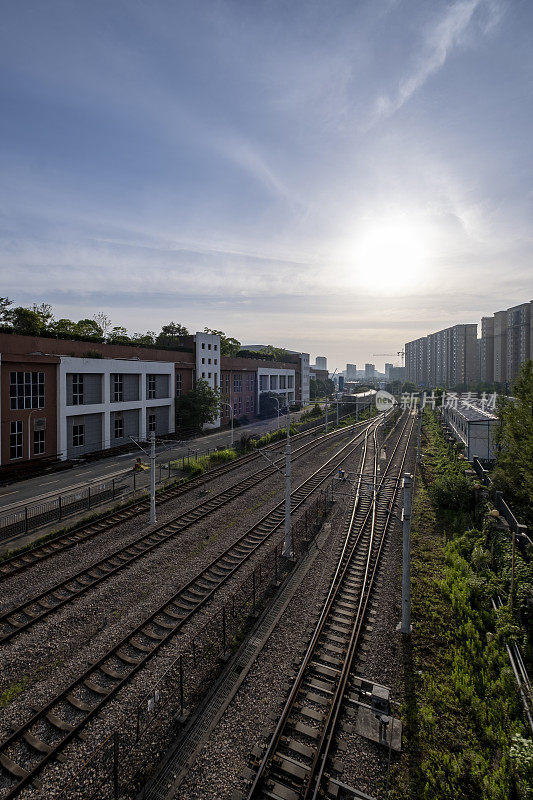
<point x="452" y="491"/>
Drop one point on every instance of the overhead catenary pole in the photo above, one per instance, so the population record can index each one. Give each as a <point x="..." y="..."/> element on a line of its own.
<point x="152" y="477"/>
<point x="287" y="545"/>
<point x="406" y="565"/>
<point x="326" y="414"/>
<point x="419" y="436"/>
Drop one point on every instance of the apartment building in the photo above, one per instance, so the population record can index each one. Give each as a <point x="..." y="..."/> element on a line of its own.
<point x="416" y="358"/>
<point x="451" y="357"/>
<point x="351" y="372"/>
<point x="506" y="343"/>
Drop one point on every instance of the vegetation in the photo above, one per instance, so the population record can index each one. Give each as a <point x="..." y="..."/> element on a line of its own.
<point x="465" y="737"/>
<point x="195" y="467"/>
<point x="198" y="407"/>
<point x="321" y="388"/>
<point x="514" y="464"/>
<point x="228" y="345"/>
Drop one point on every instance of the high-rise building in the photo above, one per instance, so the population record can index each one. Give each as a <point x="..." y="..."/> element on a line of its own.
<point x="486" y="355"/>
<point x="321" y="362"/>
<point x="450" y="357"/>
<point x="351" y="372"/>
<point x="387" y="368"/>
<point x="416" y="361"/>
<point x="370" y="370"/>
<point x="506" y="342"/>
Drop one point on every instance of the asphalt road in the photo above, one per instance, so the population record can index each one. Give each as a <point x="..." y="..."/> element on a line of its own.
<point x="33" y="489"/>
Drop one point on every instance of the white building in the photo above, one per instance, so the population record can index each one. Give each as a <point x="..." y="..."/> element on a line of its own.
<point x="473" y="426"/>
<point x="321" y="362"/>
<point x="102" y="402"/>
<point x="208" y="364"/>
<point x="278" y="381"/>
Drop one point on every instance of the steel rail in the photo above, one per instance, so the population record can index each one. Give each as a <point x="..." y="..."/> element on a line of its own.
<point x="103" y="679"/>
<point x="84" y="532"/>
<point x="256" y="789"/>
<point x="35" y="609"/>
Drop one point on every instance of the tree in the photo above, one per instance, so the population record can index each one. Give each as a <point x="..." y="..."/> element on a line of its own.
<point x="88" y="327"/>
<point x="320" y="388"/>
<point x="514" y="462"/>
<point x="25" y="321"/>
<point x="199" y="406"/>
<point x="103" y="322"/>
<point x="228" y="345"/>
<point x="63" y="328"/>
<point x="5" y="302"/>
<point x="268" y="404"/>
<point x="147" y="339"/>
<point x="171" y="334"/>
<point x="276" y="353"/>
<point x="44" y="312"/>
<point x="118" y="335"/>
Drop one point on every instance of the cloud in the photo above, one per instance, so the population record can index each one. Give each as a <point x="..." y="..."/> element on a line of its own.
<point x="449" y="33"/>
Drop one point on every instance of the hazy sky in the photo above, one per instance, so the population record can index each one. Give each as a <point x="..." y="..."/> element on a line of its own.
<point x="334" y="177"/>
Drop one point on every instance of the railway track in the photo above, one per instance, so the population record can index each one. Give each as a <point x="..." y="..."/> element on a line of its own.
<point x="35" y="609"/>
<point x="38" y="741"/>
<point x="22" y="561"/>
<point x="294" y="764"/>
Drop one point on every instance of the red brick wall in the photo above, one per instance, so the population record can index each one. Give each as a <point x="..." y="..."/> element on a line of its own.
<point x="48" y="365"/>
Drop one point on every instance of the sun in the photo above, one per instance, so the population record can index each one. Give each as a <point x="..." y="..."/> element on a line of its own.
<point x="388" y="257"/>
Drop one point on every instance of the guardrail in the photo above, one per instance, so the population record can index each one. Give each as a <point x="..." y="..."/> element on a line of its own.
<point x="520" y="531"/>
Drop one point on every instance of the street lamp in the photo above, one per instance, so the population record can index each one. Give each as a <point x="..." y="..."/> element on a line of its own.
<point x="231" y="418"/>
<point x="29" y="432"/>
<point x="277" y="401"/>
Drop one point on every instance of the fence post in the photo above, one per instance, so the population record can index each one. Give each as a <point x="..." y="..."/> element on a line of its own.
<point x="26" y="519"/>
<point x="134" y="475"/>
<point x="115" y="765"/>
<point x="60" y="506"/>
<point x="223" y="630"/>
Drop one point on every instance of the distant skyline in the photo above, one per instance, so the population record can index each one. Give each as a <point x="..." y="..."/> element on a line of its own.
<point x="338" y="178"/>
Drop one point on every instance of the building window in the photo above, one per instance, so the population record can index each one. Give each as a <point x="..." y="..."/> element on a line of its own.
<point x="227" y="384"/>
<point x="290" y="381"/>
<point x="234" y="409"/>
<point x="119" y="428"/>
<point x="282" y="382"/>
<point x="26" y="390"/>
<point x="273" y="381"/>
<point x="203" y="360"/>
<point x="151" y="423"/>
<point x="240" y="406"/>
<point x="38" y="443"/>
<point x="151" y="387"/>
<point x="237" y="383"/>
<point x="178" y="384"/>
<point x="209" y="347"/>
<point x="208" y="374"/>
<point x="263" y="382"/>
<point x="78" y="435"/>
<point x="203" y="374"/>
<point x="215" y="361"/>
<point x="118" y="389"/>
<point x="77" y="390"/>
<point x="208" y="360"/>
<point x="215" y="347"/>
<point x="252" y="404"/>
<point x="16" y="440"/>
<point x="247" y="404"/>
<point x="203" y="345"/>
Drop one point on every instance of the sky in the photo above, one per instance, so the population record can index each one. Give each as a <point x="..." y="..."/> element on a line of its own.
<point x="333" y="177"/>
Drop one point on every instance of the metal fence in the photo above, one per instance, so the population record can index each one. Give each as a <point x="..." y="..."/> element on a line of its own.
<point x="520" y="531"/>
<point x="116" y="764"/>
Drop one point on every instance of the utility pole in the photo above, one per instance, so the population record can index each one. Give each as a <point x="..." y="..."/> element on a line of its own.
<point x="406" y="565"/>
<point x="419" y="436"/>
<point x="326" y="414"/>
<point x="287" y="545"/>
<point x="337" y="413"/>
<point x="152" y="477"/>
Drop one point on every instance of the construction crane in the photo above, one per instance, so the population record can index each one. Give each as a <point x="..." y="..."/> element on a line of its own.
<point x="397" y="353"/>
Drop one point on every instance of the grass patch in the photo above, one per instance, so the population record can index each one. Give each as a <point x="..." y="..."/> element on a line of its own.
<point x="464" y="729"/>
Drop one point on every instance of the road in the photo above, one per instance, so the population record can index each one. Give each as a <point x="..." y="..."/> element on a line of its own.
<point x="34" y="489"/>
